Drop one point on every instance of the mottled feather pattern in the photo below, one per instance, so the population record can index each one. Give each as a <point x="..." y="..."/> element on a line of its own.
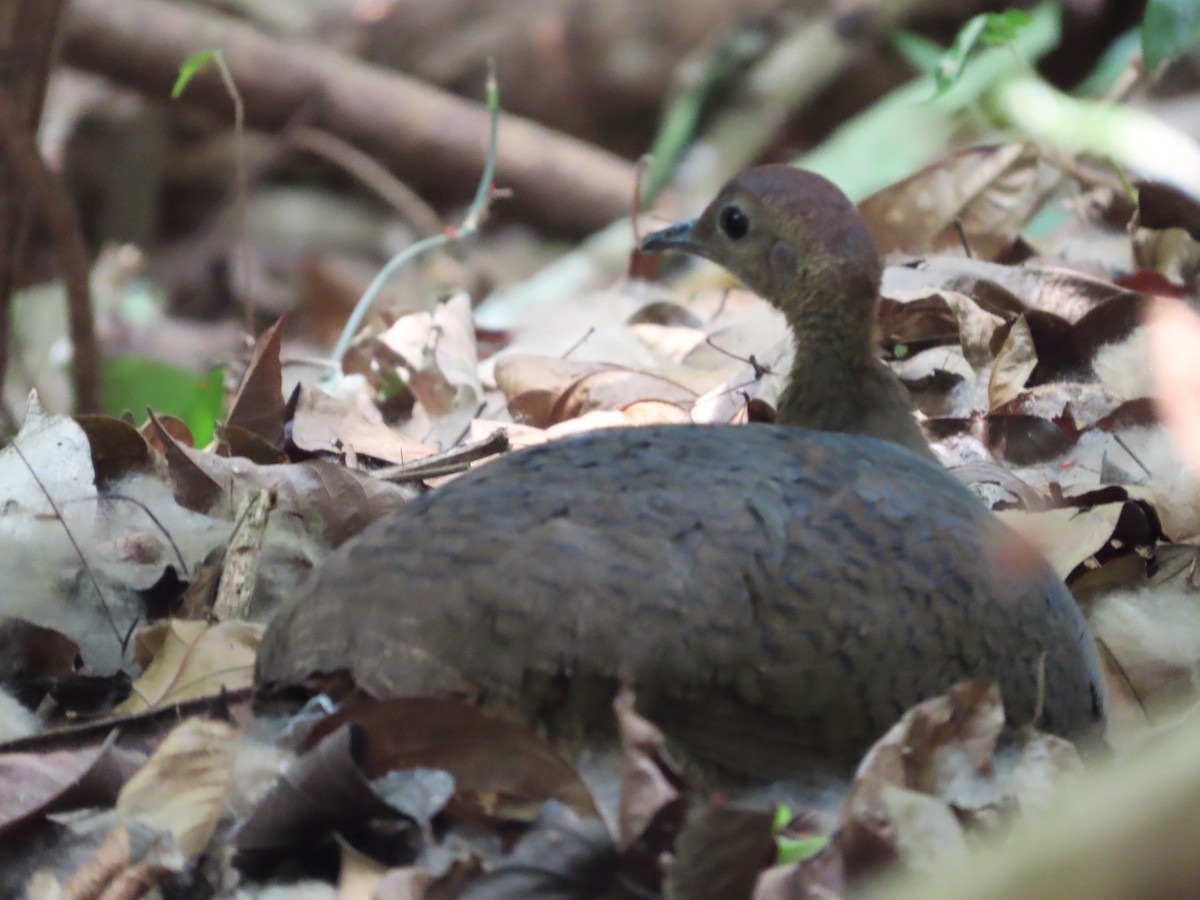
<point x="815" y="583"/>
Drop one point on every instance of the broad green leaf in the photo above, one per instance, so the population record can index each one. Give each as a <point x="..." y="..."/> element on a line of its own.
<point x="984" y="30"/>
<point x="792" y="850"/>
<point x="1169" y="29"/>
<point x="190" y="67"/>
<point x="135" y="383"/>
<point x="904" y="131"/>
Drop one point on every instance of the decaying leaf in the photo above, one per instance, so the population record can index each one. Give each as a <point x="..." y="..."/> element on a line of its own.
<point x="990" y="191"/>
<point x="1014" y="364"/>
<point x="182" y="788"/>
<point x="185" y="659"/>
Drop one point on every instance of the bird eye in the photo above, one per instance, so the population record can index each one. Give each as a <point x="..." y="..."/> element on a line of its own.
<point x="734" y="222"/>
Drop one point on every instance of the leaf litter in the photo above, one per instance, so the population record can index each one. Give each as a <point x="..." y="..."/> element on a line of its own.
<point x="1028" y="368"/>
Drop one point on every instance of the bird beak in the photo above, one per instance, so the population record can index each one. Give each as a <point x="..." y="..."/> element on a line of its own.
<point x="677" y="237"/>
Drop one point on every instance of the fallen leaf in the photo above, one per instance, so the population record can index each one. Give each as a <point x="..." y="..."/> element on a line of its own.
<point x="182" y="788"/>
<point x="991" y="191"/>
<point x="185" y="659"/>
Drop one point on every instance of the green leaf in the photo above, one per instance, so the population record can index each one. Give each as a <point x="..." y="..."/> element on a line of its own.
<point x="783" y="816"/>
<point x="984" y="30"/>
<point x="190" y="67"/>
<point x="135" y="383"/>
<point x="917" y="50"/>
<point x="1002" y="28"/>
<point x="793" y="850"/>
<point x="1169" y="29"/>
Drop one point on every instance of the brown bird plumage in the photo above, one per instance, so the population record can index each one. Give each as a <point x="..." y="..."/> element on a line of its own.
<point x="778" y="595"/>
<point x="806" y="250"/>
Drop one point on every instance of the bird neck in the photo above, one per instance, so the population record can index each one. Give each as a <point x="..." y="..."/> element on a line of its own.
<point x="834" y="352"/>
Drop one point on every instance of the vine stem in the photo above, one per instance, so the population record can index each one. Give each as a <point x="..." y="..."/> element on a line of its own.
<point x="470" y="226"/>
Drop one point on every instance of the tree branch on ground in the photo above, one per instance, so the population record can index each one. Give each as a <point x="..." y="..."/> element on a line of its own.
<point x="431" y="139"/>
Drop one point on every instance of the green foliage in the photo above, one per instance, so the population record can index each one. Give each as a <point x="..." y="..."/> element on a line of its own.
<point x="1169" y="29"/>
<point x="135" y="383"/>
<point x="984" y="30"/>
<point x="192" y="65"/>
<point x="792" y="850"/>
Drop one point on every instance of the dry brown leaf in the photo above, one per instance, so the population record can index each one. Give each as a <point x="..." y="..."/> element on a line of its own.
<point x="31" y="651"/>
<point x="325" y="424"/>
<point x="182" y="788"/>
<point x="438" y="350"/>
<point x="615" y="389"/>
<point x="532" y="384"/>
<point x="118" y="449"/>
<point x="992" y="191"/>
<point x="499" y="768"/>
<point x="332" y="502"/>
<point x="942" y="747"/>
<point x="1014" y="364"/>
<point x="258" y="406"/>
<point x="185" y="659"/>
<point x="34" y="784"/>
<point x="975" y="327"/>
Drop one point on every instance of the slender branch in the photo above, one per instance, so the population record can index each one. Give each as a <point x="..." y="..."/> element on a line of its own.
<point x="425" y="135"/>
<point x="19" y="151"/>
<point x="469" y="227"/>
<point x="403" y="199"/>
<point x="242" y="189"/>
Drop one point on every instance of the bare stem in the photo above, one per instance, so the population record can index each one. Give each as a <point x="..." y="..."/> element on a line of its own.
<point x="239" y="137"/>
<point x="469" y="227"/>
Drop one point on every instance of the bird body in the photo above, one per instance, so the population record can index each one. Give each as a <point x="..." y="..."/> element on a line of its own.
<point x="777" y="595"/>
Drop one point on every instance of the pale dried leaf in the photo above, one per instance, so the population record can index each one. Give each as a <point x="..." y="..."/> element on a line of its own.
<point x="182" y="788"/>
<point x="439" y="351"/>
<point x="326" y="424"/>
<point x="1047" y="762"/>
<point x="58" y="452"/>
<point x="1067" y="537"/>
<point x="185" y="659"/>
<point x="645" y="788"/>
<point x="927" y="833"/>
<point x="360" y="875"/>
<point x="1014" y="364"/>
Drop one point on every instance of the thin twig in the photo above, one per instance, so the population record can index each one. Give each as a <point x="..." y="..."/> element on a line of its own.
<point x="579" y="343"/>
<point x="74" y="543"/>
<point x="368" y="172"/>
<point x="469" y="227"/>
<point x="242" y="188"/>
<point x="636" y="208"/>
<point x="1141" y="465"/>
<point x="183" y="566"/>
<point x="19" y="151"/>
<point x="456" y="459"/>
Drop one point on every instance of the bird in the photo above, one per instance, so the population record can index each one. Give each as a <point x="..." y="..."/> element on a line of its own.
<point x="777" y="594"/>
<point x="795" y="239"/>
